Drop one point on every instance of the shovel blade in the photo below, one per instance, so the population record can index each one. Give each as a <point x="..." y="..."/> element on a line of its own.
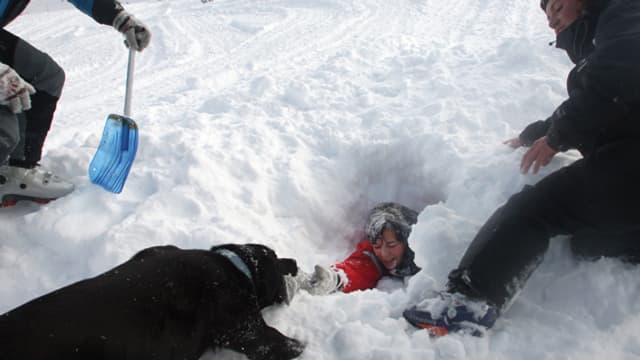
<point x="115" y="154"/>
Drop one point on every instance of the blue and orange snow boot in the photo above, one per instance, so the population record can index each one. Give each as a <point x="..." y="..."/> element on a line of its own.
<point x="452" y="313"/>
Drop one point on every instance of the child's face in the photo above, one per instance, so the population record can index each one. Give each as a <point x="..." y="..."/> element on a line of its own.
<point x="388" y="249"/>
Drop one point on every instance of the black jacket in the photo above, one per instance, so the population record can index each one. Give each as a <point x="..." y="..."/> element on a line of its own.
<point x="604" y="86"/>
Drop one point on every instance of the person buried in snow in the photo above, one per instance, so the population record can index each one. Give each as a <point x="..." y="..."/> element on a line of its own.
<point x="30" y="86"/>
<point x="594" y="200"/>
<point x="384" y="252"/>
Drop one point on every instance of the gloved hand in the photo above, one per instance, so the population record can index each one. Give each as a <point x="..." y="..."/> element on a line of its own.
<point x="14" y="91"/>
<point x="136" y="34"/>
<point x="322" y="281"/>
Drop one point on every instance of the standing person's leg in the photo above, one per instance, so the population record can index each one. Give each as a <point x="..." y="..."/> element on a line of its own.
<point x="616" y="231"/>
<point x="599" y="192"/>
<point x="503" y="254"/>
<point x="22" y="178"/>
<point x="511" y="244"/>
<point x="9" y="133"/>
<point x="43" y="73"/>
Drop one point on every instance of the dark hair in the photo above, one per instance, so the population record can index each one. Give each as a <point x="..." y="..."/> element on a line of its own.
<point x="543" y="4"/>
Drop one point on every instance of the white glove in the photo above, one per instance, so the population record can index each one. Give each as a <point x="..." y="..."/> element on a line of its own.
<point x="136" y="34"/>
<point x="14" y="91"/>
<point x="322" y="281"/>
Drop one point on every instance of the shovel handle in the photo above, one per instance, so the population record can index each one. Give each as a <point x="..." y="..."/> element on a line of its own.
<point x="129" y="90"/>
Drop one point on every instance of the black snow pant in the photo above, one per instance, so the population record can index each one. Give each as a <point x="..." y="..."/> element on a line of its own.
<point x="596" y="200"/>
<point x="22" y="135"/>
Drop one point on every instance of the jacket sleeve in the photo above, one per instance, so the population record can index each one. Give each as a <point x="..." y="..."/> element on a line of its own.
<point x="603" y="86"/>
<point x="102" y="11"/>
<point x="534" y="131"/>
<point x="360" y="268"/>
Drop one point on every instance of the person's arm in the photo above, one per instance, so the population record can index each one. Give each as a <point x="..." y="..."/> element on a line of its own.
<point x="604" y="86"/>
<point x="603" y="90"/>
<point x="533" y="132"/>
<point x="588" y="112"/>
<point x="360" y="270"/>
<point x="102" y="11"/>
<point x="111" y="12"/>
<point x="530" y="134"/>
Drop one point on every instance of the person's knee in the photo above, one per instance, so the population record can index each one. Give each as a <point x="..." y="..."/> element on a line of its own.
<point x="524" y="203"/>
<point x="39" y="69"/>
<point x="58" y="78"/>
<point x="51" y="79"/>
<point x="582" y="247"/>
<point x="593" y="246"/>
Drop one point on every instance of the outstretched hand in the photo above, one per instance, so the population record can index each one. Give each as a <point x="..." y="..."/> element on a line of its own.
<point x="323" y="281"/>
<point x="513" y="143"/>
<point x="538" y="155"/>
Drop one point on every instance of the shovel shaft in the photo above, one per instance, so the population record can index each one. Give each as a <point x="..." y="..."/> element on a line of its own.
<point x="129" y="90"/>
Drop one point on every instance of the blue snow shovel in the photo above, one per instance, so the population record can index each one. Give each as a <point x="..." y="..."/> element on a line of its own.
<point x="117" y="150"/>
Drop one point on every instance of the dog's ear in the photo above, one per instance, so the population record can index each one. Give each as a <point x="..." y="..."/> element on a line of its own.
<point x="288" y="267"/>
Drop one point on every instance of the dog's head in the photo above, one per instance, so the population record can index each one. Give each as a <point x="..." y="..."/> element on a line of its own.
<point x="267" y="271"/>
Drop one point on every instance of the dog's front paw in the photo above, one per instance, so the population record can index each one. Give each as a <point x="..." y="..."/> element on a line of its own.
<point x="292" y="349"/>
<point x="269" y="344"/>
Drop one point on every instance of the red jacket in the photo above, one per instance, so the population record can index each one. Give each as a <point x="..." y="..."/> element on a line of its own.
<point x="362" y="268"/>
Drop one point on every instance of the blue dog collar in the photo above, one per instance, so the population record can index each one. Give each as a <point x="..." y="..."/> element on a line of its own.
<point x="236" y="261"/>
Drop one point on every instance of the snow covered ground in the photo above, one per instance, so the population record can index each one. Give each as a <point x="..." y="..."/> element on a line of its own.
<point x="282" y="122"/>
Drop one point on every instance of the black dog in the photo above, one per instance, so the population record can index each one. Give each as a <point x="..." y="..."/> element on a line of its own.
<point x="164" y="303"/>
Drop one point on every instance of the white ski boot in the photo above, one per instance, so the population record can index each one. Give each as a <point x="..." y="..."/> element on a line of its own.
<point x="34" y="184"/>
